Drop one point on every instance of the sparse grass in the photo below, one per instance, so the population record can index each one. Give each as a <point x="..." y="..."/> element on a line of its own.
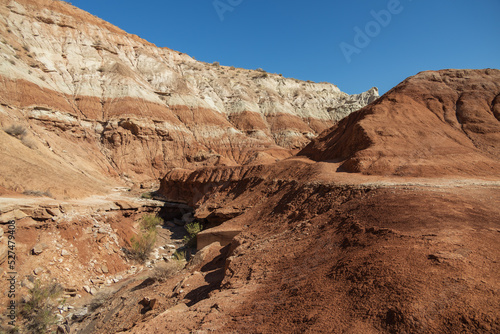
<point x="192" y="229"/>
<point x="143" y="243"/>
<point x="38" y="310"/>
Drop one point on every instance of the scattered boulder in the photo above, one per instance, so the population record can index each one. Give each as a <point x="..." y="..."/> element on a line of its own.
<point x="38" y="270"/>
<point x="53" y="211"/>
<point x="179" y="222"/>
<point x="70" y="292"/>
<point x="64" y="252"/>
<point x="97" y="281"/>
<point x="80" y="314"/>
<point x="12" y="215"/>
<point x="187" y="218"/>
<point x="39" y="248"/>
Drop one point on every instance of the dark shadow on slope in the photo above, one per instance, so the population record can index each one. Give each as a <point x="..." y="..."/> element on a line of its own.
<point x="215" y="271"/>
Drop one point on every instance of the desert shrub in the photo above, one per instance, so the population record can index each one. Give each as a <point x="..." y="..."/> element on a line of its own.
<point x="21" y="133"/>
<point x="38" y="310"/>
<point x="17" y="131"/>
<point x="179" y="256"/>
<point x="167" y="270"/>
<point x="216" y="63"/>
<point x="149" y="222"/>
<point x="192" y="229"/>
<point x="38" y="193"/>
<point x="28" y="142"/>
<point x="260" y="70"/>
<point x="260" y="75"/>
<point x="232" y="68"/>
<point x="144" y="242"/>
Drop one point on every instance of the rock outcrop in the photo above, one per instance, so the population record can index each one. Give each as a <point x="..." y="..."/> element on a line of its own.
<point x="433" y="124"/>
<point x="106" y="103"/>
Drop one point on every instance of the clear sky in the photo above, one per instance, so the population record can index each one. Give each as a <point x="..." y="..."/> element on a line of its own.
<point x="353" y="44"/>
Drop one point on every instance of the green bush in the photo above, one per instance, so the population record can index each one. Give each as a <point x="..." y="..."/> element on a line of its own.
<point x="38" y="311"/>
<point x="192" y="229"/>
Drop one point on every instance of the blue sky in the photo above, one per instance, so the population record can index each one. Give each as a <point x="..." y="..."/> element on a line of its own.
<point x="303" y="39"/>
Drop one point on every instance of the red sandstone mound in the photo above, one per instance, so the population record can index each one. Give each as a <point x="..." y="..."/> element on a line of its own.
<point x="435" y="123"/>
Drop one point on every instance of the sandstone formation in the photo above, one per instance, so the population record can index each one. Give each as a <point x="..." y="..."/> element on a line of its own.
<point x="104" y="103"/>
<point x="432" y="124"/>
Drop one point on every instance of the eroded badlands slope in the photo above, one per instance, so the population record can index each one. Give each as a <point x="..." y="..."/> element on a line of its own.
<point x="323" y="250"/>
<point x="433" y="124"/>
<point x="107" y="103"/>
